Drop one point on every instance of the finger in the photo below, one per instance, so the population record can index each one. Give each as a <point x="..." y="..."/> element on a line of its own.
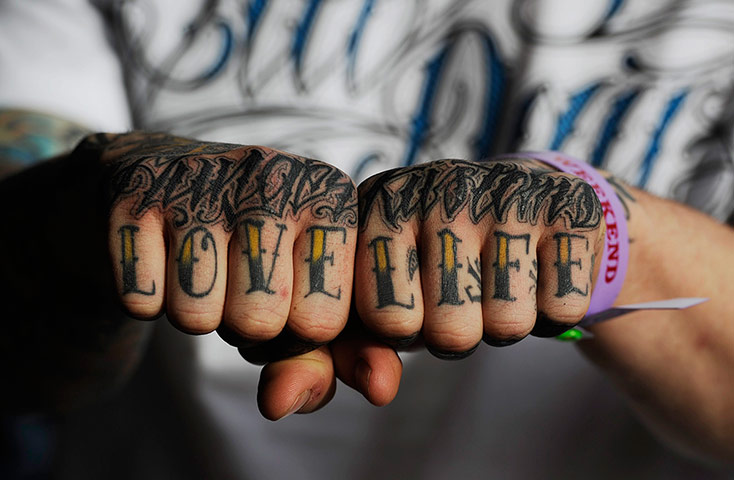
<point x="510" y="277"/>
<point x="451" y="279"/>
<point x="323" y="265"/>
<point x="388" y="295"/>
<point x="565" y="278"/>
<point x="259" y="281"/>
<point x="285" y="345"/>
<point x="138" y="252"/>
<point x="300" y="384"/>
<point x="196" y="280"/>
<point x="368" y="366"/>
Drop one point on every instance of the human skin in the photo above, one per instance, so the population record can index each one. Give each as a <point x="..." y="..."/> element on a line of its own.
<point x="675" y="366"/>
<point x="127" y="227"/>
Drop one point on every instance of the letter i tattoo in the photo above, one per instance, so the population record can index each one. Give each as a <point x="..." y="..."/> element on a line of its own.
<point x="449" y="268"/>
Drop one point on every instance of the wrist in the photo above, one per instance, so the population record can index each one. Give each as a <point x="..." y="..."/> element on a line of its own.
<point x="611" y="269"/>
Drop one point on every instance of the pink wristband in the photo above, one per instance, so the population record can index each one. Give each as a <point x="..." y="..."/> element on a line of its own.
<point x="616" y="242"/>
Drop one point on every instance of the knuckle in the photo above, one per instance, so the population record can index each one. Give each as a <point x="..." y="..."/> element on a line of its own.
<point x="142" y="310"/>
<point x="568" y="314"/>
<point x="316" y="326"/>
<point x="255" y="323"/>
<point x="196" y="321"/>
<point x="393" y="324"/>
<point x="510" y="327"/>
<point x="455" y="338"/>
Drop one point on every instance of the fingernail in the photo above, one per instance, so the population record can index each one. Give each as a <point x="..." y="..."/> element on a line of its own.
<point x="501" y="342"/>
<point x="362" y="373"/>
<point x="400" y="342"/>
<point x="298" y="403"/>
<point x="546" y="327"/>
<point x="451" y="355"/>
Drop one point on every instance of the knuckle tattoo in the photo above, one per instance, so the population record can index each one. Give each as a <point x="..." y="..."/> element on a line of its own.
<point x="503" y="193"/>
<point x="249" y="191"/>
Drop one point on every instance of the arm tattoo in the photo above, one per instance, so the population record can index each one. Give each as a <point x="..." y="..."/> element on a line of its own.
<point x="27" y="137"/>
<point x="623" y="193"/>
<point x="483" y="190"/>
<point x="203" y="183"/>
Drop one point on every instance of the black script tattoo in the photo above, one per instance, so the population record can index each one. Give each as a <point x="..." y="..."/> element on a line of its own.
<point x="490" y="189"/>
<point x="474" y="269"/>
<point x="449" y="268"/>
<point x="203" y="183"/>
<point x="623" y="193"/>
<point x="383" y="273"/>
<point x="318" y="258"/>
<point x="187" y="260"/>
<point x="413" y="263"/>
<point x="564" y="262"/>
<point x="252" y="232"/>
<point x="129" y="259"/>
<point x="503" y="263"/>
<point x="534" y="276"/>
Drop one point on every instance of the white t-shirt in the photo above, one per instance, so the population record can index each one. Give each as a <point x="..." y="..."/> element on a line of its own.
<point x="643" y="89"/>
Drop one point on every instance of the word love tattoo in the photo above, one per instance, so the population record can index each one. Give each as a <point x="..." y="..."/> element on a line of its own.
<point x="247" y="190"/>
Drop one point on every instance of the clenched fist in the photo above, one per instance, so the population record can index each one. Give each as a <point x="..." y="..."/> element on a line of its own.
<point x="246" y="240"/>
<point x="462" y="251"/>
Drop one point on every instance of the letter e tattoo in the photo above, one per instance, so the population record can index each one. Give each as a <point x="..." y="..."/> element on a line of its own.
<point x="564" y="263"/>
<point x="319" y="257"/>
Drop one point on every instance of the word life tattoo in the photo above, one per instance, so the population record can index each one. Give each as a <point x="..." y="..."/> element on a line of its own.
<point x="483" y="191"/>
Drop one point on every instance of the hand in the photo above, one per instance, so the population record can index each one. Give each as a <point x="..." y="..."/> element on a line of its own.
<point x="254" y="243"/>
<point x="461" y="251"/>
<point x="249" y="241"/>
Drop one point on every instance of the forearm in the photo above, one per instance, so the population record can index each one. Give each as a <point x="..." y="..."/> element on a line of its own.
<point x="28" y="137"/>
<point x="676" y="366"/>
<point x="64" y="338"/>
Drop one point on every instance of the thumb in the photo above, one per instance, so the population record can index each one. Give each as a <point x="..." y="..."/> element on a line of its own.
<point x="301" y="384"/>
